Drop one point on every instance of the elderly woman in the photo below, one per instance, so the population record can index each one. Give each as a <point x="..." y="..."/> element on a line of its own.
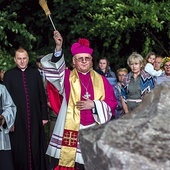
<point x="135" y="84"/>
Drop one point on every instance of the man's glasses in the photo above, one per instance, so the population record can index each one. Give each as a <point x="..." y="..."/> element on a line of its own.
<point x="167" y="65"/>
<point x="81" y="59"/>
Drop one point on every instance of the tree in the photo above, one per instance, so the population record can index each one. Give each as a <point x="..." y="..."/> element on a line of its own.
<point x="11" y="32"/>
<point x="114" y="28"/>
<point x="118" y="28"/>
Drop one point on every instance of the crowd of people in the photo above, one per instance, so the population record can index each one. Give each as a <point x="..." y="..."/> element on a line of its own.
<point x="67" y="101"/>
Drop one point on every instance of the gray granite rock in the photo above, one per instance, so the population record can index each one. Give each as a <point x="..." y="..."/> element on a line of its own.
<point x="137" y="141"/>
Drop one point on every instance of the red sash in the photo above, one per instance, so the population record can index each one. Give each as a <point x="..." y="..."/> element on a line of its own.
<point x="54" y="97"/>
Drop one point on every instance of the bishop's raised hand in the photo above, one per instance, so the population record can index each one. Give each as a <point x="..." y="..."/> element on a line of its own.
<point x="58" y="40"/>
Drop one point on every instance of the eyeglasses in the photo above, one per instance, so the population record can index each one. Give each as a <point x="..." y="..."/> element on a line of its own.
<point x="167" y="65"/>
<point x="121" y="74"/>
<point x="81" y="59"/>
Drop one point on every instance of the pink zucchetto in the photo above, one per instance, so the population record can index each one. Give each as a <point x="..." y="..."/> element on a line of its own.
<point x="82" y="46"/>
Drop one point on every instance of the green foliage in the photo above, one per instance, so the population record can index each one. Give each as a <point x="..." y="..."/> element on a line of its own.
<point x="114" y="28"/>
<point x="117" y="28"/>
<point x="6" y="61"/>
<point x="12" y="35"/>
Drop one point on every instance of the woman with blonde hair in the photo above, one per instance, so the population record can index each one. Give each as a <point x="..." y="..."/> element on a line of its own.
<point x="135" y="84"/>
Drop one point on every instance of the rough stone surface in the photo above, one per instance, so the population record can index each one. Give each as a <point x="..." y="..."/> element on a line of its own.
<point x="137" y="141"/>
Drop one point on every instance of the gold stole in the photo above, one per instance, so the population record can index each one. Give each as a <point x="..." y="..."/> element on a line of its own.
<point x="72" y="122"/>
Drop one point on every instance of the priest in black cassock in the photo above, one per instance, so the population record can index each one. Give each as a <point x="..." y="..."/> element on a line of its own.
<point x="28" y="141"/>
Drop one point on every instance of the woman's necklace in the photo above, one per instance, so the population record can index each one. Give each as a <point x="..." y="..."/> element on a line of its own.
<point x="87" y="94"/>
